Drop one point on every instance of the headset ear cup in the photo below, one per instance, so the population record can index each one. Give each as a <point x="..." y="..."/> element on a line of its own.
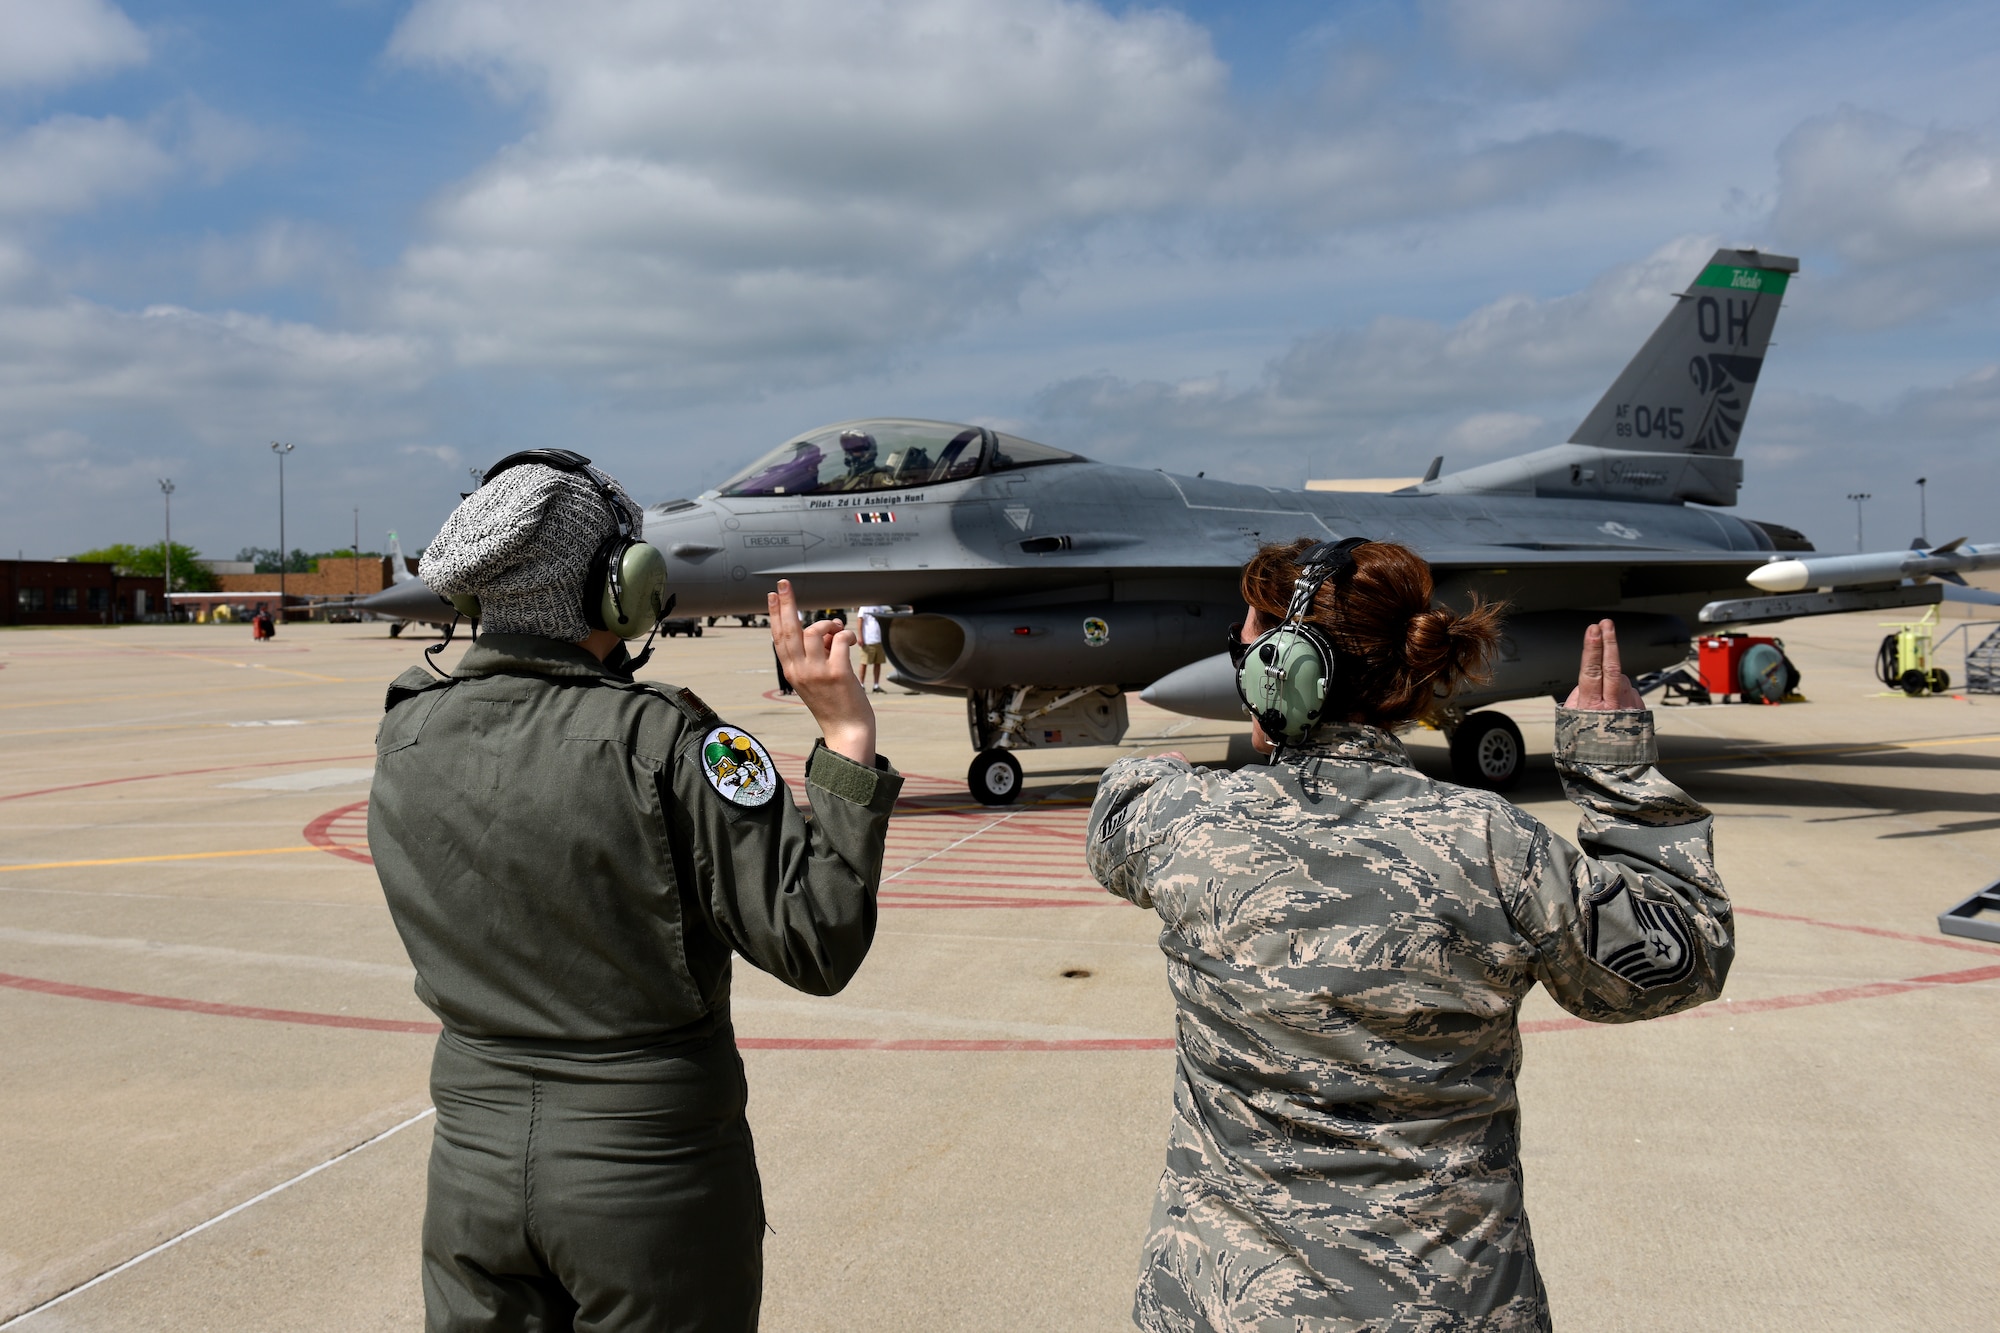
<point x="1286" y="681"/>
<point x="466" y="605"/>
<point x="641" y="595"/>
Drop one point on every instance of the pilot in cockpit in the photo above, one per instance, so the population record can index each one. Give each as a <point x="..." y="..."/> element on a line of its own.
<point x="864" y="471"/>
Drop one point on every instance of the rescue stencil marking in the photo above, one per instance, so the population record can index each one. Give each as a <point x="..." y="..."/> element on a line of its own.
<point x="738" y="766"/>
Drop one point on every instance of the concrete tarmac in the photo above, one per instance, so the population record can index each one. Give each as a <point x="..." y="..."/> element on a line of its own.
<point x="205" y="1007"/>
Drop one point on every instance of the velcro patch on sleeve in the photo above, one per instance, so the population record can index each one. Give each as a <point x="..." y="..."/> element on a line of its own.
<point x="1649" y="944"/>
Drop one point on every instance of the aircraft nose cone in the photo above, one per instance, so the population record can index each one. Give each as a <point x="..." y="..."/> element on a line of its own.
<point x="1779" y="576"/>
<point x="1201" y="689"/>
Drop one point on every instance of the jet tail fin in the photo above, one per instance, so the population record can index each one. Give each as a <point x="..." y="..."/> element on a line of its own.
<point x="399" y="568"/>
<point x="1666" y="432"/>
<point x="1688" y="390"/>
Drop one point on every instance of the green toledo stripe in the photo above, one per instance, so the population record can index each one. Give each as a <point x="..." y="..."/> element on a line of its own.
<point x="1744" y="279"/>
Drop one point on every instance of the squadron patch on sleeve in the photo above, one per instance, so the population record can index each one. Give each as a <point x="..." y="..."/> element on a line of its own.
<point x="738" y="766"/>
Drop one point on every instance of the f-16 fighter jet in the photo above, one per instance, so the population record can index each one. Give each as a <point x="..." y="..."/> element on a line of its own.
<point x="1045" y="587"/>
<point x="406" y="599"/>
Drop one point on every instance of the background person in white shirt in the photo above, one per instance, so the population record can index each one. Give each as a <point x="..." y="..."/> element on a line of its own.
<point x="872" y="654"/>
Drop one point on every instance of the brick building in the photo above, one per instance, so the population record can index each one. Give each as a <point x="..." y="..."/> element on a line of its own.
<point x="338" y="576"/>
<point x="75" y="592"/>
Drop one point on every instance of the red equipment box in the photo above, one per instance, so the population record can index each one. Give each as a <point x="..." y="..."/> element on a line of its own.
<point x="1721" y="659"/>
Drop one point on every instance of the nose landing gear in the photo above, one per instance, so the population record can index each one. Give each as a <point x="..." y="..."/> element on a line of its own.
<point x="1487" y="751"/>
<point x="995" y="777"/>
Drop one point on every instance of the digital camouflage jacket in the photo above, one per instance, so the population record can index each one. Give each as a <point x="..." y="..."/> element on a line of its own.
<point x="1349" y="942"/>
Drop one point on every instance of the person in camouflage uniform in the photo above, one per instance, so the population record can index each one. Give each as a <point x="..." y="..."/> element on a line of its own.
<point x="1349" y="941"/>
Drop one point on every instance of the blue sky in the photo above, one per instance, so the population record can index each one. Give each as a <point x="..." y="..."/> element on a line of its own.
<point x="1269" y="241"/>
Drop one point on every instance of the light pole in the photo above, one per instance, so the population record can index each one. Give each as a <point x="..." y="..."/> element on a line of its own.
<point x="1923" y="518"/>
<point x="167" y="547"/>
<point x="1860" y="498"/>
<point x="281" y="450"/>
<point x="357" y="550"/>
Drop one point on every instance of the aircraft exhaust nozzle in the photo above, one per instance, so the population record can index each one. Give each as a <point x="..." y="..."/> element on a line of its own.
<point x="1779" y="576"/>
<point x="1200" y="689"/>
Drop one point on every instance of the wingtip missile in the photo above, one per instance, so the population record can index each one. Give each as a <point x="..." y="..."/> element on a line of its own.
<point x="1847" y="571"/>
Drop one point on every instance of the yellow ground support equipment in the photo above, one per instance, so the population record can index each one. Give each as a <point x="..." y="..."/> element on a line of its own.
<point x="1903" y="662"/>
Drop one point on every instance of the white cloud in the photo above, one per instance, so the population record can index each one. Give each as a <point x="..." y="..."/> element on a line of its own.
<point x="1514" y="374"/>
<point x="1534" y="41"/>
<point x="1810" y="450"/>
<point x="220" y="379"/>
<point x="69" y="164"/>
<point x="784" y="192"/>
<point x="95" y="403"/>
<point x="284" y="252"/>
<point x="1488" y="434"/>
<point x="52" y="42"/>
<point x="1874" y="189"/>
<point x="1914" y="212"/>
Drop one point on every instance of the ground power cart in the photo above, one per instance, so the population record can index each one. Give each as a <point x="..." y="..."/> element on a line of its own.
<point x="1751" y="667"/>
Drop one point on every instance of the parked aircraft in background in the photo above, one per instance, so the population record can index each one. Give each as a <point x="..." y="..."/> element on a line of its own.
<point x="1045" y="587"/>
<point x="407" y="598"/>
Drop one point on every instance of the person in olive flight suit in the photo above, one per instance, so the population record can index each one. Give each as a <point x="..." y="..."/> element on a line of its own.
<point x="571" y="863"/>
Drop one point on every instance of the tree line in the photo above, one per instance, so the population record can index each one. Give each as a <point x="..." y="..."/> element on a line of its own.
<point x="190" y="575"/>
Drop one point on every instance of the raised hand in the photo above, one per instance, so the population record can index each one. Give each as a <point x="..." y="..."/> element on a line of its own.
<point x="817" y="659"/>
<point x="1601" y="682"/>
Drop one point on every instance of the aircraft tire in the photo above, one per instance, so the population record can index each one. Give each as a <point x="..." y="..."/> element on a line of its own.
<point x="1940" y="680"/>
<point x="396" y="630"/>
<point x="1487" y="751"/>
<point x="994" y="778"/>
<point x="1913" y="683"/>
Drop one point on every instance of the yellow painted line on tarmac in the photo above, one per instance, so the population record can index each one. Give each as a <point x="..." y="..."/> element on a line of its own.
<point x="120" y="697"/>
<point x="176" y="856"/>
<point x="122" y="729"/>
<point x="216" y="661"/>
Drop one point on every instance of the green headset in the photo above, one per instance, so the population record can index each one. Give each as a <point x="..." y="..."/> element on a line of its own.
<point x="1285" y="676"/>
<point x="625" y="586"/>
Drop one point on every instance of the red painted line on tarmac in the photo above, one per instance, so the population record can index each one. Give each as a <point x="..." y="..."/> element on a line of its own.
<point x="1867" y="990"/>
<point x="180" y="773"/>
<point x="64" y="989"/>
<point x="72" y="992"/>
<point x="1029" y="885"/>
<point x="966" y="901"/>
<point x="319" y="834"/>
<point x="976" y="1044"/>
<point x="1939" y="941"/>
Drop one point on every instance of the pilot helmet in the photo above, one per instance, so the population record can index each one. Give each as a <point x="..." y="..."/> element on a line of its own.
<point x="857" y="443"/>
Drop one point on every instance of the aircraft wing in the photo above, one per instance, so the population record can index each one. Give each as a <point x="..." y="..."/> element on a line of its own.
<point x="1543" y="557"/>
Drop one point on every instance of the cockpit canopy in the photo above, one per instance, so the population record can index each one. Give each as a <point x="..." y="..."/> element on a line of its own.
<point x="883" y="455"/>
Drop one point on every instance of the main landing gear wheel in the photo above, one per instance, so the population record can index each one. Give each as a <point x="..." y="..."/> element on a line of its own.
<point x="995" y="777"/>
<point x="1487" y="751"/>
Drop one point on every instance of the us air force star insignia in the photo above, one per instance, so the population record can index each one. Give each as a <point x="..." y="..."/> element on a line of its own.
<point x="738" y="767"/>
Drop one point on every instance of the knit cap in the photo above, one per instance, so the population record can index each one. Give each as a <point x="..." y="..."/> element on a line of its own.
<point x="522" y="544"/>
